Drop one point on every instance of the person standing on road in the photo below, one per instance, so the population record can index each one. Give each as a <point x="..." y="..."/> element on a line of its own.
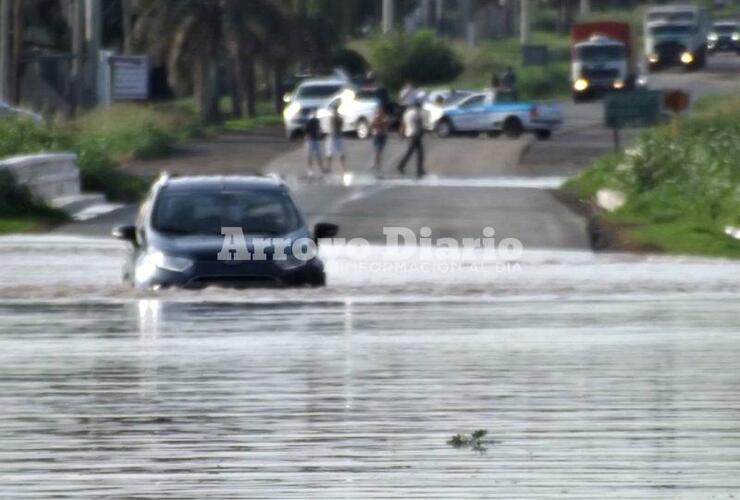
<point x="380" y="125"/>
<point x="335" y="143"/>
<point x="313" y="144"/>
<point x="508" y="80"/>
<point x="413" y="128"/>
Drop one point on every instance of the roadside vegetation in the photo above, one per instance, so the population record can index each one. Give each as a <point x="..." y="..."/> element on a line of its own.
<point x="681" y="181"/>
<point x="20" y="211"/>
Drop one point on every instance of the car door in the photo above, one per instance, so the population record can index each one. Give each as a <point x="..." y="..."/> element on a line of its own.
<point x="469" y="113"/>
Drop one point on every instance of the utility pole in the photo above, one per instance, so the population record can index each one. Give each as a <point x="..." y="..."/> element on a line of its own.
<point x="93" y="41"/>
<point x="468" y="29"/>
<point x="426" y="13"/>
<point x="4" y="49"/>
<point x="388" y="15"/>
<point x="585" y="7"/>
<point x="524" y="30"/>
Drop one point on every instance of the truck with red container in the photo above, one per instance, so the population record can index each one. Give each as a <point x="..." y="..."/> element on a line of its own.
<point x="602" y="59"/>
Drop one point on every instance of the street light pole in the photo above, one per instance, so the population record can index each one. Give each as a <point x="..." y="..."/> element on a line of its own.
<point x="585" y="7"/>
<point x="524" y="29"/>
<point x="388" y="15"/>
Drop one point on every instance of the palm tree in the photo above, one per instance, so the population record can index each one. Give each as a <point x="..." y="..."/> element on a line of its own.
<point x="186" y="35"/>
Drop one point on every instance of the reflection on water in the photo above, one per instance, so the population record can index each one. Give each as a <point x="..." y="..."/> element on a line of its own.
<point x="345" y="399"/>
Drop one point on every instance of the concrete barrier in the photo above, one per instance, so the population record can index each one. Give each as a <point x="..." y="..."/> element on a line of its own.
<point x="48" y="175"/>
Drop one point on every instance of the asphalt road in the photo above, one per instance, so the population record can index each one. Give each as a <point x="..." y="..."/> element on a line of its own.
<point x="472" y="182"/>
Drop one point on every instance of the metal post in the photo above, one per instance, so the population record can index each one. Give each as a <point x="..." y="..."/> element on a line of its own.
<point x="4" y="48"/>
<point x="17" y="52"/>
<point x="388" y="15"/>
<point x="524" y="29"/>
<point x="617" y="140"/>
<point x="93" y="40"/>
<point x="585" y="7"/>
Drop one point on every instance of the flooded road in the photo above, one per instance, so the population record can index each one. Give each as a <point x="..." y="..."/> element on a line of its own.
<point x="596" y="376"/>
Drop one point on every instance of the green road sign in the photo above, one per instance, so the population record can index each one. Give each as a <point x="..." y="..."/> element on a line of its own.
<point x="639" y="108"/>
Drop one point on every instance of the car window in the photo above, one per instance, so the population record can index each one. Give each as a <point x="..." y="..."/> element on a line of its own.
<point x="672" y="30"/>
<point x="367" y="94"/>
<point x="317" y="91"/>
<point x="258" y="213"/>
<point x="473" y="101"/>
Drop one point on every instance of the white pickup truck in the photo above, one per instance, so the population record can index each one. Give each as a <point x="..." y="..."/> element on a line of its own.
<point x="357" y="108"/>
<point x="495" y="113"/>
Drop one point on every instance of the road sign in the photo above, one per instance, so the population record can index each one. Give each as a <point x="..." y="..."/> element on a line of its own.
<point x="129" y="78"/>
<point x="639" y="108"/>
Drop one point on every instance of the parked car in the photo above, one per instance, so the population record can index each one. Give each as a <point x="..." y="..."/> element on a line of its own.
<point x="495" y="112"/>
<point x="6" y="110"/>
<point x="357" y="108"/>
<point x="724" y="37"/>
<point x="308" y="97"/>
<point x="178" y="239"/>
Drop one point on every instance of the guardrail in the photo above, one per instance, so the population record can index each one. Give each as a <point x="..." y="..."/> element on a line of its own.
<point x="47" y="175"/>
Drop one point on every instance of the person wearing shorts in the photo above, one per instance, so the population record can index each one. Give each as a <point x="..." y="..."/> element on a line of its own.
<point x="335" y="144"/>
<point x="313" y="144"/>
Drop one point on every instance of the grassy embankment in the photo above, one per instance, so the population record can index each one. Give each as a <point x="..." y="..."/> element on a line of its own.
<point x="682" y="183"/>
<point x="101" y="139"/>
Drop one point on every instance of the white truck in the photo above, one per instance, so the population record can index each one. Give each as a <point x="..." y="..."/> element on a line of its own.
<point x="357" y="107"/>
<point x="494" y="112"/>
<point x="676" y="35"/>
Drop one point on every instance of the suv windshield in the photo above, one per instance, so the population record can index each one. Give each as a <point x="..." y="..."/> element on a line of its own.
<point x="258" y="213"/>
<point x="317" y="91"/>
<point x="671" y="30"/>
<point x="601" y="53"/>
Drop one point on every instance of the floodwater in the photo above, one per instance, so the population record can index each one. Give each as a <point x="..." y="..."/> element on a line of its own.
<point x="596" y="376"/>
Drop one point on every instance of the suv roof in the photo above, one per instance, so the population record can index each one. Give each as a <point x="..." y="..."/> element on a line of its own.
<point x="221" y="183"/>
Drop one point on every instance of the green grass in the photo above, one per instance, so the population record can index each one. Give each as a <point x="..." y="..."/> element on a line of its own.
<point x="20" y="211"/>
<point x="11" y="225"/>
<point x="682" y="186"/>
<point x="266" y="117"/>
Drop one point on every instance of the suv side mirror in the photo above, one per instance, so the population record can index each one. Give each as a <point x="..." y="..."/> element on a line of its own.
<point x="125" y="233"/>
<point x="325" y="230"/>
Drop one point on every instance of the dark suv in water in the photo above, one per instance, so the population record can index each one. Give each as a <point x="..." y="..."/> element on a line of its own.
<point x="194" y="232"/>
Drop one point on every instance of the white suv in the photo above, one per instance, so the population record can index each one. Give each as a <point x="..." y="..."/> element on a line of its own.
<point x="307" y="98"/>
<point x="357" y="108"/>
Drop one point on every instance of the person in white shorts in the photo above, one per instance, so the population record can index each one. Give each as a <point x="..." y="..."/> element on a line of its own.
<point x="335" y="142"/>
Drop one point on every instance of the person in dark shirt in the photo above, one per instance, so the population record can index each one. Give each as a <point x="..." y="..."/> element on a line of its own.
<point x="313" y="144"/>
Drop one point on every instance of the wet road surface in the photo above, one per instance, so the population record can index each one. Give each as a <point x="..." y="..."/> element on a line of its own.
<point x="597" y="376"/>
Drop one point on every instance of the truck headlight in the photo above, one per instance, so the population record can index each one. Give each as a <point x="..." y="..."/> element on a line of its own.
<point x="736" y="37"/>
<point x="653" y="58"/>
<point x="713" y="37"/>
<point x="168" y="262"/>
<point x="618" y="84"/>
<point x="580" y="85"/>
<point x="687" y="57"/>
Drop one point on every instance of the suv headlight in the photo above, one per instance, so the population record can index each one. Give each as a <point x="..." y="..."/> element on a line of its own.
<point x="736" y="37"/>
<point x="293" y="109"/>
<point x="168" y="262"/>
<point x="580" y="85"/>
<point x="713" y="37"/>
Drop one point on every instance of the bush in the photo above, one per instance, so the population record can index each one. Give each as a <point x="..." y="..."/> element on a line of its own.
<point x="350" y="61"/>
<point x="539" y="82"/>
<point x="18" y="201"/>
<point x="421" y="58"/>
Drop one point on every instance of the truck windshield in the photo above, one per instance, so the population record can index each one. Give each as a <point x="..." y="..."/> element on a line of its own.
<point x="726" y="29"/>
<point x="671" y="30"/>
<point x="258" y="213"/>
<point x="593" y="53"/>
<point x="687" y="16"/>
